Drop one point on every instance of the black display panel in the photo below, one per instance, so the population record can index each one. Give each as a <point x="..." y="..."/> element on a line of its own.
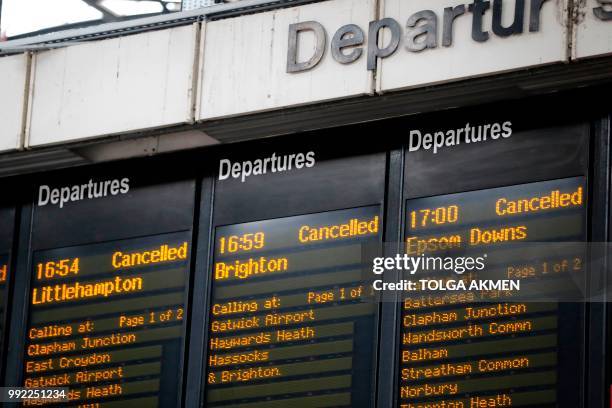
<point x="109" y="280"/>
<point x="499" y="353"/>
<point x="7" y="219"/>
<point x="3" y="289"/>
<point x="457" y="351"/>
<point x="291" y="317"/>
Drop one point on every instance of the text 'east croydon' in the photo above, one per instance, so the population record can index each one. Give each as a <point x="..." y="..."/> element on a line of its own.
<point x="243" y="269"/>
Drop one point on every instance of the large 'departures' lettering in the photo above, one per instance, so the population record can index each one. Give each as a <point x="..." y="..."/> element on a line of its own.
<point x="291" y="316"/>
<point x="423" y="30"/>
<point x="481" y="349"/>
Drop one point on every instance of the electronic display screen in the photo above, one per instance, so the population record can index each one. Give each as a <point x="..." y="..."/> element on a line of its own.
<point x="3" y="294"/>
<point x="7" y="217"/>
<point x="292" y="321"/>
<point x="457" y="352"/>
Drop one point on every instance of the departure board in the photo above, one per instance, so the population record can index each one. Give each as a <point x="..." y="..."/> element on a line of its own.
<point x="457" y="352"/>
<point x="105" y="318"/>
<point x="107" y="304"/>
<point x="3" y="295"/>
<point x="292" y="321"/>
<point x="7" y="216"/>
